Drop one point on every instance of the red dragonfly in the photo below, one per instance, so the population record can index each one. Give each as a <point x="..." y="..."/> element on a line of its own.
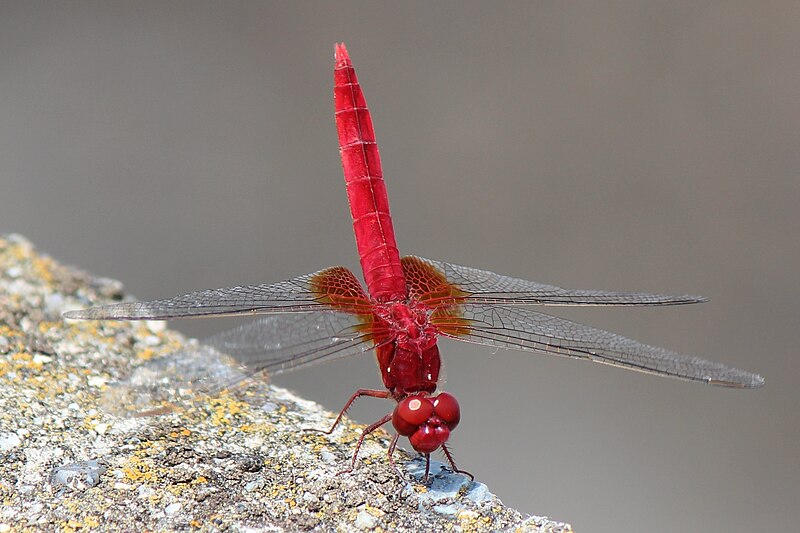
<point x="409" y="303"/>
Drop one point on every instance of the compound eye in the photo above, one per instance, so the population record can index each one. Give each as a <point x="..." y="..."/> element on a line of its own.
<point x="428" y="438"/>
<point x="446" y="407"/>
<point x="411" y="413"/>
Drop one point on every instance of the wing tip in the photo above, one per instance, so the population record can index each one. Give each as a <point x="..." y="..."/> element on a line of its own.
<point x="75" y="314"/>
<point x="102" y="312"/>
<point x="743" y="380"/>
<point x="682" y="299"/>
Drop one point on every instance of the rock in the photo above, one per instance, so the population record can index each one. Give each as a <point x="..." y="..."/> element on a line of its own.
<point x="172" y="509"/>
<point x="167" y="454"/>
<point x="9" y="441"/>
<point x="365" y="521"/>
<point x="77" y="476"/>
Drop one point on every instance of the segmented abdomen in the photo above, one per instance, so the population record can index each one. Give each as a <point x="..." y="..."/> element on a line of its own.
<point x="366" y="191"/>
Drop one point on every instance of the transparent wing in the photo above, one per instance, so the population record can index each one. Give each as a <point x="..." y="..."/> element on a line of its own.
<point x="523" y="329"/>
<point x="430" y="280"/>
<point x="302" y="294"/>
<point x="274" y="343"/>
<point x="280" y="343"/>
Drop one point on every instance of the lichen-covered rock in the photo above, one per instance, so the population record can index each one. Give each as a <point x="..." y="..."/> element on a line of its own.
<point x="82" y="447"/>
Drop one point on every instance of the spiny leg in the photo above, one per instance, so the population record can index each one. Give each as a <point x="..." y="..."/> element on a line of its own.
<point x="392" y="447"/>
<point x="374" y="393"/>
<point x="369" y="429"/>
<point x="452" y="462"/>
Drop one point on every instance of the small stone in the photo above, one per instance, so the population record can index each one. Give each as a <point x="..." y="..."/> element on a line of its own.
<point x="254" y="485"/>
<point x="328" y="457"/>
<point x="4" y="345"/>
<point x="96" y="381"/>
<point x="77" y="476"/>
<point x="5" y="528"/>
<point x="41" y="358"/>
<point x="250" y="463"/>
<point x="53" y="303"/>
<point x="268" y="407"/>
<point x="365" y="521"/>
<point x="478" y="492"/>
<point x="101" y="428"/>
<point x="9" y="441"/>
<point x="446" y="510"/>
<point x="152" y="340"/>
<point x="172" y="509"/>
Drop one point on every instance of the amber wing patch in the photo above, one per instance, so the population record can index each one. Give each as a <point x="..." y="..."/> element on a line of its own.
<point x="430" y="286"/>
<point x="339" y="288"/>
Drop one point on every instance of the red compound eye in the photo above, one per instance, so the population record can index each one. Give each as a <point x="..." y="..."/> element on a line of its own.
<point x="446" y="407"/>
<point x="428" y="438"/>
<point x="411" y="413"/>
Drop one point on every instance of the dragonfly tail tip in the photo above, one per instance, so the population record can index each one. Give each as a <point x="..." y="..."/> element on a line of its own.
<point x="340" y="53"/>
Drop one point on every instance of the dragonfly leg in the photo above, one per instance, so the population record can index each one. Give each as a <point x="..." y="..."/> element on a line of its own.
<point x="451" y="460"/>
<point x="392" y="447"/>
<point x="374" y="393"/>
<point x="369" y="429"/>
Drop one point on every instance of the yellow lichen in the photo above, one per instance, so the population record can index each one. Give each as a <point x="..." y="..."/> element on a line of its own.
<point x="138" y="471"/>
<point x="182" y="433"/>
<point x="225" y="408"/>
<point x="43" y="268"/>
<point x="146" y="354"/>
<point x="45" y="327"/>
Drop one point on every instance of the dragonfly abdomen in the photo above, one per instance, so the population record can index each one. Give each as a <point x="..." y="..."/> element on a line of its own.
<point x="366" y="191"/>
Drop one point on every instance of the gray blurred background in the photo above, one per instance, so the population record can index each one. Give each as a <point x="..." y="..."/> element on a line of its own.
<point x="632" y="145"/>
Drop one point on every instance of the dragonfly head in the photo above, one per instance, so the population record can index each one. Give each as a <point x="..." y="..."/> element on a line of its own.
<point x="426" y="420"/>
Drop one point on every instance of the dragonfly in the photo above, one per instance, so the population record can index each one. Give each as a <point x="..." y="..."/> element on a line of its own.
<point x="409" y="304"/>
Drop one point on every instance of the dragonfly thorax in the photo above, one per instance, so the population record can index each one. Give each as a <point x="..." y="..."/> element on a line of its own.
<point x="408" y="321"/>
<point x="406" y="348"/>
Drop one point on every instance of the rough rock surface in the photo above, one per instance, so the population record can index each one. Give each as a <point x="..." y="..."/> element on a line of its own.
<point x="82" y="448"/>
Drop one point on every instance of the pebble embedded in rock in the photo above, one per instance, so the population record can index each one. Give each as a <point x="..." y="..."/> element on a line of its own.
<point x="365" y="521"/>
<point x="77" y="476"/>
<point x="172" y="509"/>
<point x="9" y="441"/>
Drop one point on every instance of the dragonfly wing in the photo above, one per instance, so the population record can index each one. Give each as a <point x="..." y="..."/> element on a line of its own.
<point x="523" y="329"/>
<point x="274" y="344"/>
<point x="280" y="343"/>
<point x="311" y="292"/>
<point x="430" y="278"/>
